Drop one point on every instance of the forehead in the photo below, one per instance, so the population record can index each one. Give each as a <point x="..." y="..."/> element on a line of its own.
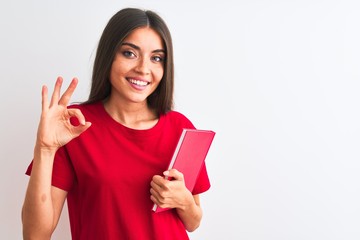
<point x="145" y="37"/>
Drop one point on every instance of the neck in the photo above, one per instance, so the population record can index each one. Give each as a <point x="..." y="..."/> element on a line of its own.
<point x="136" y="115"/>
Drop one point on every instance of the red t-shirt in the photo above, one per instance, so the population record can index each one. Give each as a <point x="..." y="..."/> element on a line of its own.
<point x="107" y="172"/>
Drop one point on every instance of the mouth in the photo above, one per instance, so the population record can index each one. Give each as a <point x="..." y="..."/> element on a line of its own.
<point x="137" y="82"/>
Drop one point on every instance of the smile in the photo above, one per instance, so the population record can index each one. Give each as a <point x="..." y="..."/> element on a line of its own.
<point x="138" y="82"/>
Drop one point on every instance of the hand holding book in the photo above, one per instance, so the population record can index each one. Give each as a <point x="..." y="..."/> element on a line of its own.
<point x="187" y="160"/>
<point x="170" y="193"/>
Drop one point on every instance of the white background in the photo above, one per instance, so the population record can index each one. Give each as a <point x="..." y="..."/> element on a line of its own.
<point x="277" y="80"/>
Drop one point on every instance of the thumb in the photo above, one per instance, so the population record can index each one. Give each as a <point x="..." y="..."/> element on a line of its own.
<point x="81" y="128"/>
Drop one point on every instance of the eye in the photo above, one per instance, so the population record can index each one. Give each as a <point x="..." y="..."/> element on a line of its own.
<point x="157" y="59"/>
<point x="128" y="54"/>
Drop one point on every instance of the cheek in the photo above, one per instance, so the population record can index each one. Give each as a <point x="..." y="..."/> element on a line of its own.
<point x="159" y="73"/>
<point x="114" y="70"/>
<point x="117" y="71"/>
<point x="120" y="65"/>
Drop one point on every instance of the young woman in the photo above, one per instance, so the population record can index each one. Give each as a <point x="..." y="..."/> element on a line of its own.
<point x="106" y="157"/>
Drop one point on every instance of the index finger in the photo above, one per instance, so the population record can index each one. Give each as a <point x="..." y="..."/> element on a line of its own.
<point x="157" y="179"/>
<point x="174" y="173"/>
<point x="65" y="98"/>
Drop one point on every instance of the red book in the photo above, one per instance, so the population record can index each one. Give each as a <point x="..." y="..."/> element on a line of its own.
<point x="189" y="156"/>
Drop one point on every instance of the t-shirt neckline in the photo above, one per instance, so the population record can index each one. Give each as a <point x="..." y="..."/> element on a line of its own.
<point x="126" y="130"/>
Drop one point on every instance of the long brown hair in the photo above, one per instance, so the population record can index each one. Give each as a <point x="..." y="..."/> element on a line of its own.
<point x="117" y="29"/>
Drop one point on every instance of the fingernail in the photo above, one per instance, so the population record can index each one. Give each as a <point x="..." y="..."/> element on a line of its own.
<point x="166" y="173"/>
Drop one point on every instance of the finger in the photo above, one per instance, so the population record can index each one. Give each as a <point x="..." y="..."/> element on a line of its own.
<point x="154" y="193"/>
<point x="77" y="130"/>
<point x="73" y="112"/>
<point x="81" y="128"/>
<point x="65" y="98"/>
<point x="173" y="173"/>
<point x="155" y="186"/>
<point x="56" y="93"/>
<point x="44" y="98"/>
<point x="159" y="180"/>
<point x="156" y="197"/>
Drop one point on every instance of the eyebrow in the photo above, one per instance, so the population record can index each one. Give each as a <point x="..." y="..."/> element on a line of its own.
<point x="138" y="48"/>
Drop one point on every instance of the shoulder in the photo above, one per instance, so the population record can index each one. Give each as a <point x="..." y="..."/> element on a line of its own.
<point x="178" y="118"/>
<point x="176" y="114"/>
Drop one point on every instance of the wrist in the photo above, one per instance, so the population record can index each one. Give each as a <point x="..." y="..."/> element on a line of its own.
<point x="187" y="204"/>
<point x="43" y="161"/>
<point x="40" y="150"/>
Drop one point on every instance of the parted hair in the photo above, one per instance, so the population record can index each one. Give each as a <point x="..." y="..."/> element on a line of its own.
<point x="117" y="29"/>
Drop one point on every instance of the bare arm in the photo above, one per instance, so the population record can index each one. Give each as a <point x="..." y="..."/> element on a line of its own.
<point x="191" y="213"/>
<point x="174" y="194"/>
<point x="43" y="202"/>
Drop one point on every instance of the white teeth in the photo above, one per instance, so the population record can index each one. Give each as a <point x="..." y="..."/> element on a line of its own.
<point x="138" y="82"/>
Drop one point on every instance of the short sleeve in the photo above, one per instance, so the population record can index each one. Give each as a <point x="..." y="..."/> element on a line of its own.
<point x="63" y="175"/>
<point x="203" y="182"/>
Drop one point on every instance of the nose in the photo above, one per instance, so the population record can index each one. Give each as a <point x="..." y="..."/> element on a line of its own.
<point x="143" y="66"/>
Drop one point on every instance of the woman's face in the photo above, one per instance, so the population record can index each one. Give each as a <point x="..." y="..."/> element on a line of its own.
<point x="138" y="66"/>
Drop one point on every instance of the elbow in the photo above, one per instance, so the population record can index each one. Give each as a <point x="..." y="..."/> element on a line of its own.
<point x="34" y="235"/>
<point x="30" y="234"/>
<point x="192" y="229"/>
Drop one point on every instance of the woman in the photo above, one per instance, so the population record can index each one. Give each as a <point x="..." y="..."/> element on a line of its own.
<point x="106" y="156"/>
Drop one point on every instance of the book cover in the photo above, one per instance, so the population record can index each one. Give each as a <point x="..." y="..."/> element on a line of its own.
<point x="189" y="156"/>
